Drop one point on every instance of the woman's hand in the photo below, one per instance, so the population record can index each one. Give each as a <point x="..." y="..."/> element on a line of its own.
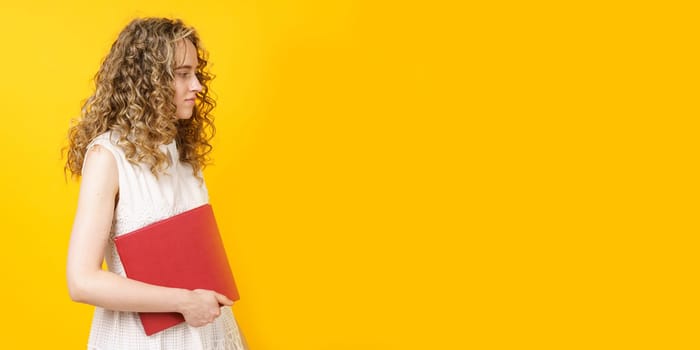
<point x="202" y="307"/>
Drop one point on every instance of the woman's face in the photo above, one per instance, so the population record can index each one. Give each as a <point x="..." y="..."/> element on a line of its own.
<point x="186" y="83"/>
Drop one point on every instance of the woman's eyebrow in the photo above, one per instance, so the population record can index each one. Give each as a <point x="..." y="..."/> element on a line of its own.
<point x="183" y="67"/>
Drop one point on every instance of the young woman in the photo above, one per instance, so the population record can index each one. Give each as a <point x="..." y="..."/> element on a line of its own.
<point x="140" y="146"/>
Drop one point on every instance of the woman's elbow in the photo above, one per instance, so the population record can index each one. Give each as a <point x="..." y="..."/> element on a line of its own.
<point x="76" y="289"/>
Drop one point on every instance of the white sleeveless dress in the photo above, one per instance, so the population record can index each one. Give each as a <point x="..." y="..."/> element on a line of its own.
<point x="144" y="199"/>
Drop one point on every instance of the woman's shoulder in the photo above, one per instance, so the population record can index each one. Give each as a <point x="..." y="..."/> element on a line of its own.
<point x="108" y="139"/>
<point x="101" y="153"/>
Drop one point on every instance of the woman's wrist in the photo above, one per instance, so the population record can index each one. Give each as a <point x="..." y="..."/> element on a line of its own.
<point x="181" y="299"/>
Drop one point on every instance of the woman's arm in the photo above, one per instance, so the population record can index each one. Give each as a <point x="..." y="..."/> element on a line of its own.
<point x="88" y="283"/>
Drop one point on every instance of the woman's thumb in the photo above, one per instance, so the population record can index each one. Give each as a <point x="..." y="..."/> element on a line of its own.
<point x="223" y="299"/>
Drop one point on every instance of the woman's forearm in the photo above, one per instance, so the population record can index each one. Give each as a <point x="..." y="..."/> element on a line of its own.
<point x="111" y="291"/>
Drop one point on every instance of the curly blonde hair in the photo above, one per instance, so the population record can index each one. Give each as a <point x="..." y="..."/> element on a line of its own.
<point x="134" y="98"/>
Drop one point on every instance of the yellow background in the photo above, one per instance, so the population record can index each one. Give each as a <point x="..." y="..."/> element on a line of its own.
<point x="396" y="174"/>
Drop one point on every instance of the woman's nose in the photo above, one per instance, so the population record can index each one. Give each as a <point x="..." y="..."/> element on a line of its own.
<point x="196" y="85"/>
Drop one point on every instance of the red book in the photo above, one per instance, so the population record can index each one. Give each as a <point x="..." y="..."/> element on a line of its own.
<point x="183" y="251"/>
